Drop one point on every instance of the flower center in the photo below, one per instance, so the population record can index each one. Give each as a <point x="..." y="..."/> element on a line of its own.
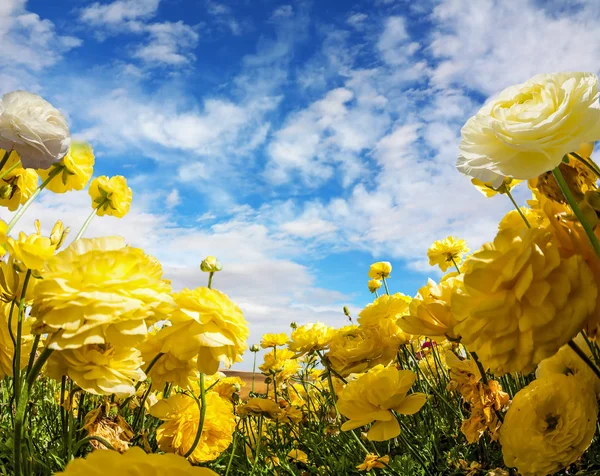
<point x="551" y="422"/>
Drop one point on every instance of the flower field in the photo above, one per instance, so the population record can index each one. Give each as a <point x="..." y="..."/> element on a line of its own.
<point x="490" y="369"/>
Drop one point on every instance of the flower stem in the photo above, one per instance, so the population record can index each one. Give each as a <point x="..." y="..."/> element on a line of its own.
<point x="26" y="205"/>
<point x="387" y="291"/>
<point x="5" y="158"/>
<point x="576" y="210"/>
<point x="584" y="357"/>
<point x="17" y="356"/>
<point x="455" y="265"/>
<point x="87" y="439"/>
<point x="210" y="277"/>
<point x="9" y="170"/>
<point x="86" y="224"/>
<point x="253" y="371"/>
<point x="202" y="405"/>
<point x="518" y="208"/>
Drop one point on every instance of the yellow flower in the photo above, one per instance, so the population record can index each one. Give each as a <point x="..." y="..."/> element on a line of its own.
<point x="310" y="337"/>
<point x="12" y="279"/>
<point x="76" y="169"/>
<point x="97" y="291"/>
<point x="210" y="264"/>
<point x="181" y="417"/>
<point x="169" y="368"/>
<point x="447" y="252"/>
<point x="430" y="311"/>
<point x="514" y="220"/>
<point x="17" y="185"/>
<point x="206" y="324"/>
<point x="110" y="196"/>
<point x="281" y="363"/>
<point x="380" y="270"/>
<point x="489" y="190"/>
<point x="373" y="461"/>
<point x="132" y="463"/>
<point x="273" y="340"/>
<point x="33" y="250"/>
<point x="223" y="385"/>
<point x="298" y="456"/>
<point x="258" y="406"/>
<point x="374" y="285"/>
<point x="567" y="362"/>
<point x="371" y="397"/>
<point x="549" y="425"/>
<point x="383" y="314"/>
<point x="520" y="301"/>
<point x="99" y="369"/>
<point x="7" y="348"/>
<point x="115" y="430"/>
<point x="528" y="128"/>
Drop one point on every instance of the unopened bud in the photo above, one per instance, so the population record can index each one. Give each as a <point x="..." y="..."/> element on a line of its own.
<point x="210" y="264"/>
<point x="6" y="191"/>
<point x="253" y="348"/>
<point x="293" y="325"/>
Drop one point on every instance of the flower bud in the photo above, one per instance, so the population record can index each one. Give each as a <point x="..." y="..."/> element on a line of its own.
<point x="293" y="325"/>
<point x="210" y="264"/>
<point x="6" y="191"/>
<point x="254" y="348"/>
<point x="268" y="380"/>
<point x="59" y="233"/>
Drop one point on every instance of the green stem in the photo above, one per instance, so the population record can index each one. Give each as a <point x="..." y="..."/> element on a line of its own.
<point x="584" y="357"/>
<point x="231" y="455"/>
<point x="26" y="205"/>
<point x="576" y="210"/>
<point x="210" y="278"/>
<point x="17" y="356"/>
<point x="455" y="265"/>
<point x="87" y="439"/>
<point x="518" y="208"/>
<point x="253" y="371"/>
<point x="36" y="342"/>
<point x="86" y="224"/>
<point x="387" y="291"/>
<point x="9" y="170"/>
<point x="5" y="158"/>
<point x="140" y="414"/>
<point x="202" y="405"/>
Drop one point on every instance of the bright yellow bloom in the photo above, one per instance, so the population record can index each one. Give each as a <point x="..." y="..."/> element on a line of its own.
<point x="373" y="461"/>
<point x="12" y="279"/>
<point x="110" y="196"/>
<point x="221" y="384"/>
<point x="549" y="425"/>
<point x="488" y="189"/>
<point x="370" y="398"/>
<point x="76" y="168"/>
<point x="258" y="406"/>
<point x="31" y="250"/>
<point x="132" y="463"/>
<point x="310" y="337"/>
<point x="445" y="253"/>
<point x="383" y="314"/>
<point x="298" y="456"/>
<point x="527" y="129"/>
<point x="206" y="324"/>
<point x="99" y="369"/>
<point x="514" y="220"/>
<point x="430" y="311"/>
<point x="273" y="340"/>
<point x="520" y="301"/>
<point x="374" y="285"/>
<point x="380" y="270"/>
<point x="567" y="362"/>
<point x="169" y="368"/>
<point x="97" y="291"/>
<point x="181" y="417"/>
<point x="7" y="348"/>
<point x="281" y="363"/>
<point x="17" y="185"/>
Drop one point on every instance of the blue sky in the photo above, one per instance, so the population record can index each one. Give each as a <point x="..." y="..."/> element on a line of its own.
<point x="297" y="141"/>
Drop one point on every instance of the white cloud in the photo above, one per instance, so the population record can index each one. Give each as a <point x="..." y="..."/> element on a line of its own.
<point x="357" y="20"/>
<point x="119" y="12"/>
<point x="169" y="43"/>
<point x="224" y="17"/>
<point x="173" y="199"/>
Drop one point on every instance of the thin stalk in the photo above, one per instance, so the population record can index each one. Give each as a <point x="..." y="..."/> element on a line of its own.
<point x="232" y="453"/>
<point x="86" y="224"/>
<point x="5" y="158"/>
<point x="142" y="410"/>
<point x="253" y="371"/>
<point x="17" y="356"/>
<point x="387" y="291"/>
<point x="518" y="208"/>
<point x="36" y="342"/>
<point x="576" y="210"/>
<point x="582" y="355"/>
<point x="87" y="439"/>
<point x="202" y="405"/>
<point x="455" y="265"/>
<point x="210" y="278"/>
<point x="26" y="205"/>
<point x="9" y="170"/>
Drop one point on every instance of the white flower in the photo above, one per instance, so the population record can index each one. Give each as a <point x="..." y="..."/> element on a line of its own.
<point x="527" y="129"/>
<point x="34" y="128"/>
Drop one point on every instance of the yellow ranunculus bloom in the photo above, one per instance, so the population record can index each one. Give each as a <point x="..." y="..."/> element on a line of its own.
<point x="17" y="185"/>
<point x="273" y="340"/>
<point x="206" y="324"/>
<point x="489" y="190"/>
<point x="380" y="270"/>
<point x="514" y="220"/>
<point x="567" y="362"/>
<point x="383" y="314"/>
<point x="76" y="168"/>
<point x="298" y="456"/>
<point x="310" y="337"/>
<point x="99" y="369"/>
<point x="528" y="128"/>
<point x="258" y="406"/>
<point x="520" y="301"/>
<point x="370" y="398"/>
<point x="221" y="384"/>
<point x="110" y="196"/>
<point x="12" y="279"/>
<point x="181" y="417"/>
<point x="132" y="463"/>
<point x="281" y="363"/>
<point x="32" y="250"/>
<point x="430" y="311"/>
<point x="549" y="425"/>
<point x="354" y="349"/>
<point x="374" y="285"/>
<point x="373" y="461"/>
<point x="7" y="348"/>
<point x="100" y="291"/>
<point x="447" y="252"/>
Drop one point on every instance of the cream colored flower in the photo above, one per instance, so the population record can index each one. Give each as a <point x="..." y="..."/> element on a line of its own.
<point x="34" y="128"/>
<point x="528" y="128"/>
<point x="380" y="270"/>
